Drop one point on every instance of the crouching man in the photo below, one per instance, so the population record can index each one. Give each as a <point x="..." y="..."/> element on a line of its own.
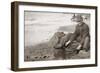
<point x="81" y="35"/>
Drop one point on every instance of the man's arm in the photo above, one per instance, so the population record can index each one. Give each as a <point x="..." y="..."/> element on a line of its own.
<point x="74" y="35"/>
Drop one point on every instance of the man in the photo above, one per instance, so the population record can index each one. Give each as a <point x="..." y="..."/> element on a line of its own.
<point x="81" y="35"/>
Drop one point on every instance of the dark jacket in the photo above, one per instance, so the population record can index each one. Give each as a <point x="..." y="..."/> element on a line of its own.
<point x="81" y="32"/>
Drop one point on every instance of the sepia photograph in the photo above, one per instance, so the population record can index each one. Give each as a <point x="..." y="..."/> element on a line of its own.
<point x="52" y="36"/>
<point x="56" y="36"/>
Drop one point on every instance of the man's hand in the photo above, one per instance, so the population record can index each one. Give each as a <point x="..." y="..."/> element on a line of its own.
<point x="79" y="47"/>
<point x="67" y="43"/>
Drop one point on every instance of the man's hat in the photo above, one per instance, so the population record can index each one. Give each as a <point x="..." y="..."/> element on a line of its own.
<point x="77" y="18"/>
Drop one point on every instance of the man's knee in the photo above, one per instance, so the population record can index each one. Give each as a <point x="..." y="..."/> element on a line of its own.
<point x="87" y="40"/>
<point x="86" y="44"/>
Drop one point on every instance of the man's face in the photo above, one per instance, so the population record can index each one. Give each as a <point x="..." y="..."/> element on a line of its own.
<point x="79" y="23"/>
<point x="75" y="22"/>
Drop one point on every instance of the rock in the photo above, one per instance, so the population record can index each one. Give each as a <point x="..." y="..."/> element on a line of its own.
<point x="84" y="54"/>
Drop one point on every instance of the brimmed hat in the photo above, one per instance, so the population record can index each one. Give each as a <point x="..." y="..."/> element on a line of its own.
<point x="77" y="18"/>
